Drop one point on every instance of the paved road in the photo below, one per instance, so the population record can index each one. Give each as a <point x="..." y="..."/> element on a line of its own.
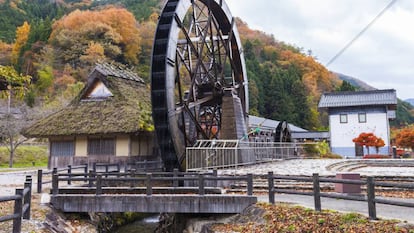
<point x="9" y="181"/>
<point x="383" y="211"/>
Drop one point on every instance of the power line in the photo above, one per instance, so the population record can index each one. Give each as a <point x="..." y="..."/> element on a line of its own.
<point x="360" y="33"/>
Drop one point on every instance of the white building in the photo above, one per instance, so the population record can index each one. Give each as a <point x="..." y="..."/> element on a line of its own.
<point x="352" y="113"/>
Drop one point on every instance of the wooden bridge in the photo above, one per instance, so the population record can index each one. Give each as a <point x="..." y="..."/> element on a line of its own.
<point x="158" y="192"/>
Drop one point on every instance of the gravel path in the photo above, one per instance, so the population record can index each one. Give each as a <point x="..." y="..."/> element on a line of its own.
<point x="9" y="181"/>
<point x="309" y="166"/>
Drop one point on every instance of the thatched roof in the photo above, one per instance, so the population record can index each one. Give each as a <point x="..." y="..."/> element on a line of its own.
<point x="126" y="110"/>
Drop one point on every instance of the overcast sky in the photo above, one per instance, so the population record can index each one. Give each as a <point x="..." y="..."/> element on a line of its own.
<point x="383" y="56"/>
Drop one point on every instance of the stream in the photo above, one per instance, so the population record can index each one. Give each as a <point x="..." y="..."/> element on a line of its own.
<point x="146" y="225"/>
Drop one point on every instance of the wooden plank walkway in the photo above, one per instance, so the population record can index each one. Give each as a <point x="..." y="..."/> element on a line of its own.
<point x="132" y="192"/>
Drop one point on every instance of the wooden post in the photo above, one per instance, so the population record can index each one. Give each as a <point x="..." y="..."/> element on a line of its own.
<point x="27" y="198"/>
<point x="55" y="184"/>
<point x="69" y="174"/>
<point x="55" y="171"/>
<point x="91" y="176"/>
<point x="106" y="170"/>
<point x="85" y="171"/>
<point x="316" y="191"/>
<point x="132" y="175"/>
<point x="39" y="180"/>
<point x="201" y="190"/>
<point x="149" y="185"/>
<point x="175" y="175"/>
<point x="17" y="222"/>
<point x="250" y="184"/>
<point x="271" y="187"/>
<point x="372" y="212"/>
<point x="98" y="184"/>
<point x="215" y="176"/>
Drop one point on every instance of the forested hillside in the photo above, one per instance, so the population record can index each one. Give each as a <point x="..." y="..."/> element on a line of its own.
<point x="57" y="43"/>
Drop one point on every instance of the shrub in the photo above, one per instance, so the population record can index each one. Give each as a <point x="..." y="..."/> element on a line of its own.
<point x="319" y="149"/>
<point x="376" y="156"/>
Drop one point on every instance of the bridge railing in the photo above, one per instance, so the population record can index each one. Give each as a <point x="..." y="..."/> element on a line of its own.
<point x="370" y="196"/>
<point x="149" y="181"/>
<point x="22" y="205"/>
<point x="145" y="166"/>
<point x="45" y="177"/>
<point x="215" y="154"/>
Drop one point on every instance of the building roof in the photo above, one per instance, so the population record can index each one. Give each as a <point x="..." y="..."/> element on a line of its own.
<point x="358" y="98"/>
<point x="126" y="110"/>
<point x="323" y="135"/>
<point x="269" y="124"/>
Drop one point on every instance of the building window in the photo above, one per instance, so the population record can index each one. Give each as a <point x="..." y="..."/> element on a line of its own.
<point x="362" y="117"/>
<point x="62" y="148"/>
<point x="101" y="146"/>
<point x="343" y="118"/>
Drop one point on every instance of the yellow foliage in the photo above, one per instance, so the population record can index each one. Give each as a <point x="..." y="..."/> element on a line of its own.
<point x="95" y="52"/>
<point x="116" y="25"/>
<point x="22" y="34"/>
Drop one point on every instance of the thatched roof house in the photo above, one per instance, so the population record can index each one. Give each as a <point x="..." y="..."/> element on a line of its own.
<point x="109" y="121"/>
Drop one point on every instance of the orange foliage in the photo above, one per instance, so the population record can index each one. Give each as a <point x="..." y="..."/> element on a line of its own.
<point x="368" y="140"/>
<point x="115" y="24"/>
<point x="95" y="52"/>
<point x="316" y="78"/>
<point x="248" y="34"/>
<point x="405" y="138"/>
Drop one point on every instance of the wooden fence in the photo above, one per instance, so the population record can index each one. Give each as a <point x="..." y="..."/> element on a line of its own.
<point x="198" y="181"/>
<point x="45" y="177"/>
<point x="370" y="197"/>
<point x="97" y="180"/>
<point x="22" y="201"/>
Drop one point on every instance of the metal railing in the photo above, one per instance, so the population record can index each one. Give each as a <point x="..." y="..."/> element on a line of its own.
<point x="370" y="197"/>
<point x="22" y="205"/>
<point x="213" y="154"/>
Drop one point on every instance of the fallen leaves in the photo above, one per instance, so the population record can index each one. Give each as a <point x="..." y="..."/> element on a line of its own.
<point x="288" y="218"/>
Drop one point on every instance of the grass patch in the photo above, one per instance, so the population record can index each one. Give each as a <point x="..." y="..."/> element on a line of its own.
<point x="25" y="156"/>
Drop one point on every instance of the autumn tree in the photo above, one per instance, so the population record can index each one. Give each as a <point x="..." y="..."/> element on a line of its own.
<point x="5" y="53"/>
<point x="85" y="35"/>
<point x="369" y="140"/>
<point x="405" y="138"/>
<point x="22" y="34"/>
<point x="12" y="122"/>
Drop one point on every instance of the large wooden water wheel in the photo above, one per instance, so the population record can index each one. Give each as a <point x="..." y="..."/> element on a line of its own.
<point x="198" y="77"/>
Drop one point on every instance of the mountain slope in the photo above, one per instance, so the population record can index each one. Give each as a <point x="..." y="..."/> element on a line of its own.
<point x="410" y="101"/>
<point x="361" y="85"/>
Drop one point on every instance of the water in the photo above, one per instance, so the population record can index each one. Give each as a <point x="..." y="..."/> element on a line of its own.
<point x="146" y="225"/>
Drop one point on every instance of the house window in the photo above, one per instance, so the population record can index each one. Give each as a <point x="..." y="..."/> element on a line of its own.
<point x="101" y="146"/>
<point x="343" y="118"/>
<point x="62" y="148"/>
<point x="362" y="117"/>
